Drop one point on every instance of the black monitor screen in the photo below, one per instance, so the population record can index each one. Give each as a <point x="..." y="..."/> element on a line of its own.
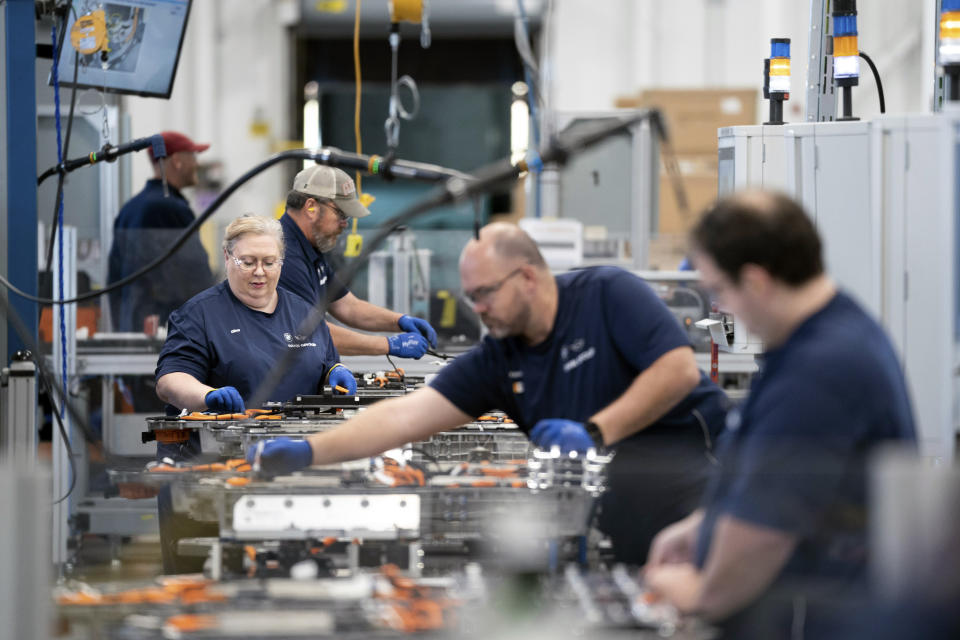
<point x="143" y="40"/>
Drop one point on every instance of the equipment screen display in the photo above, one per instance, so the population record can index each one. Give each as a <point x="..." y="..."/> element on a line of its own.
<point x="125" y="46"/>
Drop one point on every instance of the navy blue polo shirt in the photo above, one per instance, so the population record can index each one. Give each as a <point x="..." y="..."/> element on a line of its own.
<point x="793" y="457"/>
<point x="305" y="271"/>
<point x="145" y="227"/>
<point x="610" y="326"/>
<point x="222" y="342"/>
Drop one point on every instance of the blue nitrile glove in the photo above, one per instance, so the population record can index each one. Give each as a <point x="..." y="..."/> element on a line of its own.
<point x="570" y="435"/>
<point x="408" y="345"/>
<point x="419" y="325"/>
<point x="282" y="455"/>
<point x="224" y="400"/>
<point x="340" y="376"/>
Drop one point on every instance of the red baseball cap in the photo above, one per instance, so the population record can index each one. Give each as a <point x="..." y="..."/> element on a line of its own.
<point x="175" y="141"/>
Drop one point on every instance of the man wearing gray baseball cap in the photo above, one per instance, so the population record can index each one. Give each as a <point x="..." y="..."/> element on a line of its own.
<point x="319" y="206"/>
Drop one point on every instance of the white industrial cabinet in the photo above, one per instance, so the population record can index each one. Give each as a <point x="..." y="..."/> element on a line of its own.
<point x="884" y="197"/>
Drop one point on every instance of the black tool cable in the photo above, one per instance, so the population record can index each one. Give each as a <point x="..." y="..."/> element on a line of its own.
<point x="876" y="77"/>
<point x="66" y="443"/>
<point x="328" y="155"/>
<point x="457" y="187"/>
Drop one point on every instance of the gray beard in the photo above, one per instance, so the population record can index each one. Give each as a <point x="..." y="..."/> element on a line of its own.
<point x="324" y="244"/>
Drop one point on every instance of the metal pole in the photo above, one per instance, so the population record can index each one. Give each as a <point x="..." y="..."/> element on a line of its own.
<point x="645" y="214"/>
<point x="18" y="438"/>
<point x="25" y="579"/>
<point x="938" y="77"/>
<point x="821" y="99"/>
<point x="19" y="176"/>
<point x="62" y="469"/>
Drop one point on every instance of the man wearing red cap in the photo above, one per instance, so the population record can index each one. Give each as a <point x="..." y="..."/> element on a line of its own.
<point x="145" y="227"/>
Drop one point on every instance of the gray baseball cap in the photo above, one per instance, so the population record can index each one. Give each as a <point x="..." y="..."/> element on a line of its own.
<point x="321" y="181"/>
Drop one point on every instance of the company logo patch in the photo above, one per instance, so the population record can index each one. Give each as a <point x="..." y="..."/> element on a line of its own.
<point x="582" y="357"/>
<point x="295" y="341"/>
<point x="346" y="188"/>
<point x="572" y="348"/>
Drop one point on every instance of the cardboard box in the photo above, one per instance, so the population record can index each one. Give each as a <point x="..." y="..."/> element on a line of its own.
<point x="86" y="317"/>
<point x="694" y="115"/>
<point x="667" y="251"/>
<point x="699" y="174"/>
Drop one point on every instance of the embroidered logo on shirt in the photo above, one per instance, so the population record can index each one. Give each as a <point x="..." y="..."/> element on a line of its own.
<point x="234" y="330"/>
<point x="321" y="274"/>
<point x="290" y="338"/>
<point x="518" y="387"/>
<point x="515" y="374"/>
<point x="570" y="365"/>
<point x="574" y="355"/>
<point x="574" y="347"/>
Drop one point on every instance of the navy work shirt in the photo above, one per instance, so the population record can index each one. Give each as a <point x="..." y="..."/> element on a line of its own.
<point x="793" y="457"/>
<point x="146" y="226"/>
<point x="610" y="326"/>
<point x="222" y="342"/>
<point x="305" y="271"/>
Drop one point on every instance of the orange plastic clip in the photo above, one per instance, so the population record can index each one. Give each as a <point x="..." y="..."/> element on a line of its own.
<point x="172" y="436"/>
<point x="188" y="622"/>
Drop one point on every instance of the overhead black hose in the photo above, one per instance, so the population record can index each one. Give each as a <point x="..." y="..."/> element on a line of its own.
<point x="457" y="187"/>
<point x="66" y="444"/>
<point x="327" y="155"/>
<point x="876" y="77"/>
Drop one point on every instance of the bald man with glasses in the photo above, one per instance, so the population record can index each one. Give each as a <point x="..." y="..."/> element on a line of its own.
<point x="590" y="358"/>
<point x="319" y="206"/>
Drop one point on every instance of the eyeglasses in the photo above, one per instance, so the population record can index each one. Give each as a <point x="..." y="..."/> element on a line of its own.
<point x="341" y="216"/>
<point x="249" y="263"/>
<point x="480" y="294"/>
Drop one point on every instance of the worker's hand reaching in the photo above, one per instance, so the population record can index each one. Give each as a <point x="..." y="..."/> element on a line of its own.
<point x="281" y="456"/>
<point x="408" y="345"/>
<point x="418" y="325"/>
<point x="343" y="378"/>
<point x="569" y="435"/>
<point x="224" y="400"/>
<point x="675" y="544"/>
